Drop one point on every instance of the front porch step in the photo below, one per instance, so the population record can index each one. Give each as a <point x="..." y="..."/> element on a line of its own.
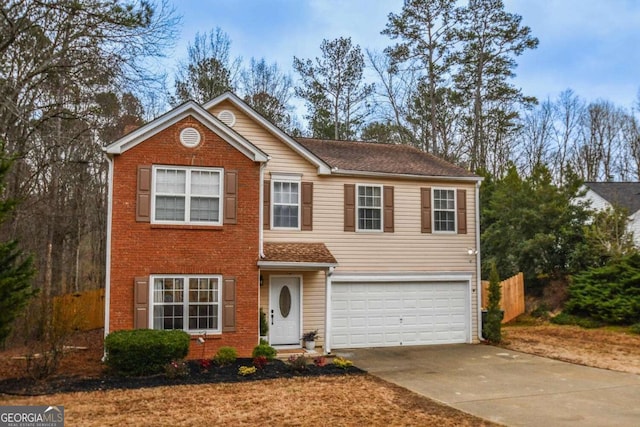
<point x="287" y="353"/>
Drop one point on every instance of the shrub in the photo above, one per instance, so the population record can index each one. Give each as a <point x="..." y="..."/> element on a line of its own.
<point x="635" y="328"/>
<point x="205" y="365"/>
<point x="610" y="294"/>
<point x="320" y="361"/>
<point x="297" y="363"/>
<point x="144" y="351"/>
<point x="264" y="350"/>
<point x="264" y="323"/>
<point x="246" y="370"/>
<point x="225" y="356"/>
<point x="570" y="319"/>
<point x="260" y="362"/>
<point x="341" y="362"/>
<point x="491" y="329"/>
<point x="176" y="369"/>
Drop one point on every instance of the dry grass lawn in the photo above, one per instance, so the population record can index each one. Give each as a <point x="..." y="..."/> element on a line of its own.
<point x="359" y="400"/>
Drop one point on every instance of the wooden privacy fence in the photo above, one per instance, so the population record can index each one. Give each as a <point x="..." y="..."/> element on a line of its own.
<point x="512" y="300"/>
<point x="83" y="310"/>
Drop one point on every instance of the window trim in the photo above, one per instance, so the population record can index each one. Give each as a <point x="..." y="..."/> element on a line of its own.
<point x="454" y="210"/>
<point x="297" y="179"/>
<point x="185" y="300"/>
<point x="381" y="208"/>
<point x="187" y="208"/>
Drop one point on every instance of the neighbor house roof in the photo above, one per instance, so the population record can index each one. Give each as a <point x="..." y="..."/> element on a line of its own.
<point x="304" y="254"/>
<point x="367" y="158"/>
<point x="623" y="194"/>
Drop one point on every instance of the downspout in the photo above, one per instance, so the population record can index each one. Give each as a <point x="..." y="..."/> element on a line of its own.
<point x="478" y="270"/>
<point x="261" y="211"/>
<point x="327" y="311"/>
<point x="107" y="285"/>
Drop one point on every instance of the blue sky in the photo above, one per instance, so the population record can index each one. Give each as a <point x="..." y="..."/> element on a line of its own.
<point x="590" y="46"/>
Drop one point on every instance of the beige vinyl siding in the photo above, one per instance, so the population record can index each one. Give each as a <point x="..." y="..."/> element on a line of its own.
<point x="313" y="298"/>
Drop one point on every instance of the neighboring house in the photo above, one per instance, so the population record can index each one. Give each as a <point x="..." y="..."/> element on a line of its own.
<point x="603" y="195"/>
<point x="215" y="212"/>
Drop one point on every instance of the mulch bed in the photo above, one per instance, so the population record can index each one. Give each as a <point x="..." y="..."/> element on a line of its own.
<point x="216" y="374"/>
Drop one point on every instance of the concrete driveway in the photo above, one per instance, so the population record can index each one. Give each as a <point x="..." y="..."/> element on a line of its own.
<point x="507" y="387"/>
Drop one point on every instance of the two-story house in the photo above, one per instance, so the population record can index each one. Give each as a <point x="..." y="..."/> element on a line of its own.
<point x="214" y="213"/>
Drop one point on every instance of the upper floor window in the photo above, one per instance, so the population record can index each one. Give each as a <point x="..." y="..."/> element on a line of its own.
<point x="444" y="210"/>
<point x="187" y="195"/>
<point x="286" y="202"/>
<point x="369" y="207"/>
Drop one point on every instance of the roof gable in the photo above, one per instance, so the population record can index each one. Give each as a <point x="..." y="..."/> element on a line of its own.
<point x="323" y="168"/>
<point x="388" y="159"/>
<point x="624" y="194"/>
<point x="189" y="108"/>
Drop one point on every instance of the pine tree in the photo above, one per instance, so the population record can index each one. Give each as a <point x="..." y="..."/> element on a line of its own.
<point x="492" y="328"/>
<point x="16" y="269"/>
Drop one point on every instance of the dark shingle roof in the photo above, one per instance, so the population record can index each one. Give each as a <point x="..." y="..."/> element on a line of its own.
<point x="381" y="158"/>
<point x="624" y="194"/>
<point x="298" y="253"/>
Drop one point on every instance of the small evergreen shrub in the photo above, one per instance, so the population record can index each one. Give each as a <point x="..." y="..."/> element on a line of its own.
<point x="225" y="356"/>
<point x="264" y="350"/>
<point x="144" y="351"/>
<point x="635" y="328"/>
<point x="491" y="328"/>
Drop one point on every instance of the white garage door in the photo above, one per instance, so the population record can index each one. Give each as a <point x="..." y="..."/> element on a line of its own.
<point x="394" y="314"/>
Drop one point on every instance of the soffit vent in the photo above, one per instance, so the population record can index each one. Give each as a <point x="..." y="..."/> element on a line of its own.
<point x="227" y="117"/>
<point x="190" y="137"/>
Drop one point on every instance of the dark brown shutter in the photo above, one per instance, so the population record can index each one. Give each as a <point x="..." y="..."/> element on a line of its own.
<point x="462" y="211"/>
<point x="141" y="303"/>
<point x="229" y="304"/>
<point x="143" y="194"/>
<point x="425" y="209"/>
<point x="231" y="197"/>
<point x="266" y="205"/>
<point x="388" y="209"/>
<point x="307" y="206"/>
<point x="349" y="207"/>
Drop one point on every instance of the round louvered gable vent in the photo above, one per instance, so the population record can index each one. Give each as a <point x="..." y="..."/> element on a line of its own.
<point x="190" y="137"/>
<point x="227" y="117"/>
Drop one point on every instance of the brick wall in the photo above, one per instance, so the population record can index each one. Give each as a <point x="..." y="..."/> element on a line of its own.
<point x="140" y="249"/>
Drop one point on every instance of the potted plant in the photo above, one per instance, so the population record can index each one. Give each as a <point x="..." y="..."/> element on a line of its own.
<point x="309" y="339"/>
<point x="264" y="325"/>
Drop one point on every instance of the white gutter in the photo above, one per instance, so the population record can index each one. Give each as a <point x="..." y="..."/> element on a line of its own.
<point x="345" y="172"/>
<point x="285" y="265"/>
<point x="478" y="270"/>
<point x="107" y="285"/>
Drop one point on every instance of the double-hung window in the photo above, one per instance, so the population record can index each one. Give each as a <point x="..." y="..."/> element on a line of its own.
<point x="187" y="195"/>
<point x="369" y="207"/>
<point x="286" y="202"/>
<point x="444" y="210"/>
<point x="191" y="303"/>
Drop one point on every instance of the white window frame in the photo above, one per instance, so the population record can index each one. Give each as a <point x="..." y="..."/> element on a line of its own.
<point x="285" y="178"/>
<point x="187" y="195"/>
<point x="185" y="300"/>
<point x="381" y="208"/>
<point x="454" y="210"/>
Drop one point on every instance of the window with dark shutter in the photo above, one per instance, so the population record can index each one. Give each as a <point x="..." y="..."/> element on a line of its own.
<point x="266" y="205"/>
<point x="307" y="206"/>
<point x="229" y="304"/>
<point x="461" y="207"/>
<point x="388" y="209"/>
<point x="143" y="194"/>
<point x="349" y="207"/>
<point x="230" y="197"/>
<point x="141" y="303"/>
<point x="425" y="209"/>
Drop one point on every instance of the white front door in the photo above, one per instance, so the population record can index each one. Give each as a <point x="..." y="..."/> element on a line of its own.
<point x="284" y="315"/>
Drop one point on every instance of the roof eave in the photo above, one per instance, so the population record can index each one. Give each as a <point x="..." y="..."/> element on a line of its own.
<point x="345" y="172"/>
<point x="286" y="265"/>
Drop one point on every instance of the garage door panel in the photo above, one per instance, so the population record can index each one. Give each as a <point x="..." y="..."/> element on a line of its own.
<point x="393" y="314"/>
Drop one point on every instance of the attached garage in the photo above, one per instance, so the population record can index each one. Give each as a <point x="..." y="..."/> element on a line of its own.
<point x="399" y="313"/>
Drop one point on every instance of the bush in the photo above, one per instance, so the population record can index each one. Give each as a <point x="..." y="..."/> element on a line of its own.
<point x="610" y="294"/>
<point x="635" y="328"/>
<point x="260" y="362"/>
<point x="570" y="319"/>
<point x="491" y="329"/>
<point x="342" y="363"/>
<point x="297" y="363"/>
<point x="264" y="350"/>
<point x="144" y="351"/>
<point x="225" y="356"/>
